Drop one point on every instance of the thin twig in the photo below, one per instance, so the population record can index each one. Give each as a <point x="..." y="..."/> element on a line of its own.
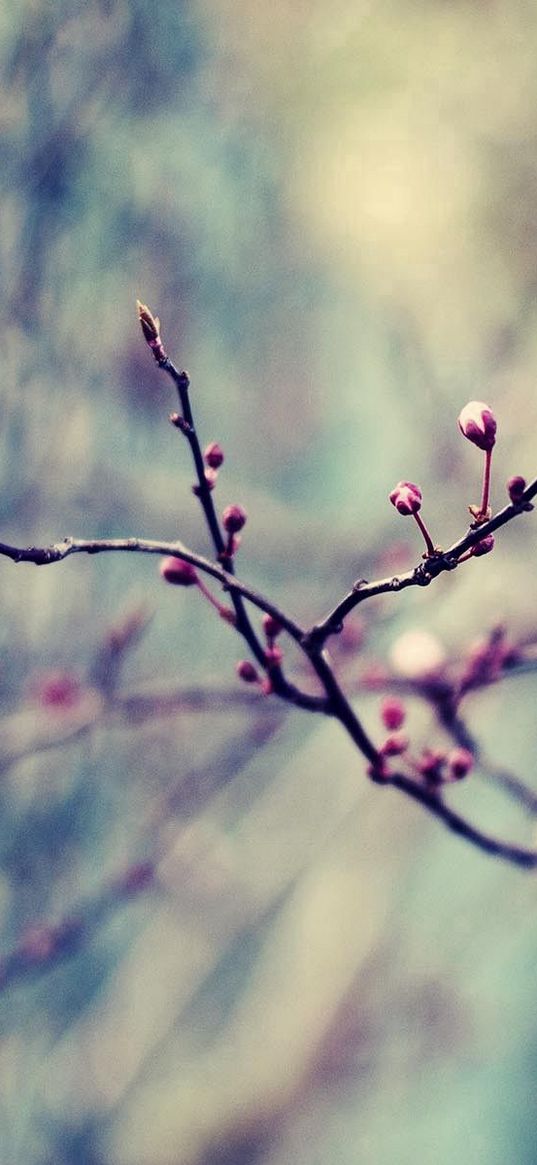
<point x="516" y="854"/>
<point x="422" y="574"/>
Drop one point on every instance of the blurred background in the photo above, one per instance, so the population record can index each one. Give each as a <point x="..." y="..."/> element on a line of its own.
<point x="227" y="948"/>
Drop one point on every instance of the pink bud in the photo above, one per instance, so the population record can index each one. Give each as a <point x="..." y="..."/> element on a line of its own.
<point x="181" y="574"/>
<point x="395" y="744"/>
<point x="233" y="519"/>
<point x="247" y="672"/>
<point x="406" y="497"/>
<point x="477" y="423"/>
<point x="393" y="713"/>
<point x="273" y="656"/>
<point x="483" y="547"/>
<point x="460" y="761"/>
<point x="214" y="456"/>
<point x="515" y="488"/>
<point x="431" y="764"/>
<point x="271" y="627"/>
<point x="210" y="476"/>
<point x="58" y="690"/>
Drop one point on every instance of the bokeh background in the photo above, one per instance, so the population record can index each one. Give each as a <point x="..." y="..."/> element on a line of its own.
<point x="332" y="206"/>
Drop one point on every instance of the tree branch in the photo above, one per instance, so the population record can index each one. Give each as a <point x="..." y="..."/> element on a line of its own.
<point x="422" y="574"/>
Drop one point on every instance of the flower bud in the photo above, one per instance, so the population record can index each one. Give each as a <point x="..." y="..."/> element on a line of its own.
<point x="406" y="497"/>
<point x="273" y="656"/>
<point x="459" y="762"/>
<point x="271" y="627"/>
<point x="483" y="547"/>
<point x="181" y="574"/>
<point x="477" y="423"/>
<point x="431" y="764"/>
<point x="395" y="744"/>
<point x="393" y="713"/>
<point x="150" y="326"/>
<point x="233" y="519"/>
<point x="247" y="672"/>
<point x="214" y="456"/>
<point x="515" y="488"/>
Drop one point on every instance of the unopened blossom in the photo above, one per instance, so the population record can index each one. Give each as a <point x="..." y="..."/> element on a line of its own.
<point x="177" y="572"/>
<point x="478" y="424"/>
<point x="233" y="519"/>
<point x="247" y="672"/>
<point x="392" y="713"/>
<point x="515" y="488"/>
<point x="459" y="763"/>
<point x="214" y="455"/>
<point x="406" y="497"/>
<point x="483" y="547"/>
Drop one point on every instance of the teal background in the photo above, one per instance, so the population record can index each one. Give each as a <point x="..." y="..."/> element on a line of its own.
<point x="331" y="206"/>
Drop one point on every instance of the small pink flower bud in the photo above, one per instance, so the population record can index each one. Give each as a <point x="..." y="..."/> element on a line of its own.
<point x="273" y="656"/>
<point x="58" y="690"/>
<point x="515" y="488"/>
<point x="271" y="627"/>
<point x="431" y="765"/>
<point x="483" y="547"/>
<point x="460" y="761"/>
<point x="233" y="519"/>
<point x="247" y="672"/>
<point x="395" y="744"/>
<point x="406" y="497"/>
<point x="210" y="476"/>
<point x="478" y="424"/>
<point x="177" y="572"/>
<point x="392" y="713"/>
<point x="214" y="456"/>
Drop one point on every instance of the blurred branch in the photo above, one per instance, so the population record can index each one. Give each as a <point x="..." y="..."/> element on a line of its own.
<point x="423" y="574"/>
<point x="44" y="945"/>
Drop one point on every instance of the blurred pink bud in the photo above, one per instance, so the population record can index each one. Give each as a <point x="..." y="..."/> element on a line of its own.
<point x="247" y="672"/>
<point x="431" y="765"/>
<point x="58" y="690"/>
<point x="395" y="744"/>
<point x="477" y="423"/>
<point x="483" y="547"/>
<point x="406" y="497"/>
<point x="392" y="713"/>
<point x="515" y="488"/>
<point x="210" y="476"/>
<point x="233" y="519"/>
<point x="417" y="654"/>
<point x="460" y="761"/>
<point x="271" y="627"/>
<point x="177" y="572"/>
<point x="214" y="456"/>
<point x="273" y="656"/>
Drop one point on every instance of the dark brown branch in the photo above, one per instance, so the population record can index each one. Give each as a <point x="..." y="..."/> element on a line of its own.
<point x="422" y="574"/>
<point x="45" y="556"/>
<point x="508" y="851"/>
<point x="187" y="427"/>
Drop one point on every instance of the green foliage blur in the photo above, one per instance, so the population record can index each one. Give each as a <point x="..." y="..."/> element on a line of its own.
<point x="332" y="207"/>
